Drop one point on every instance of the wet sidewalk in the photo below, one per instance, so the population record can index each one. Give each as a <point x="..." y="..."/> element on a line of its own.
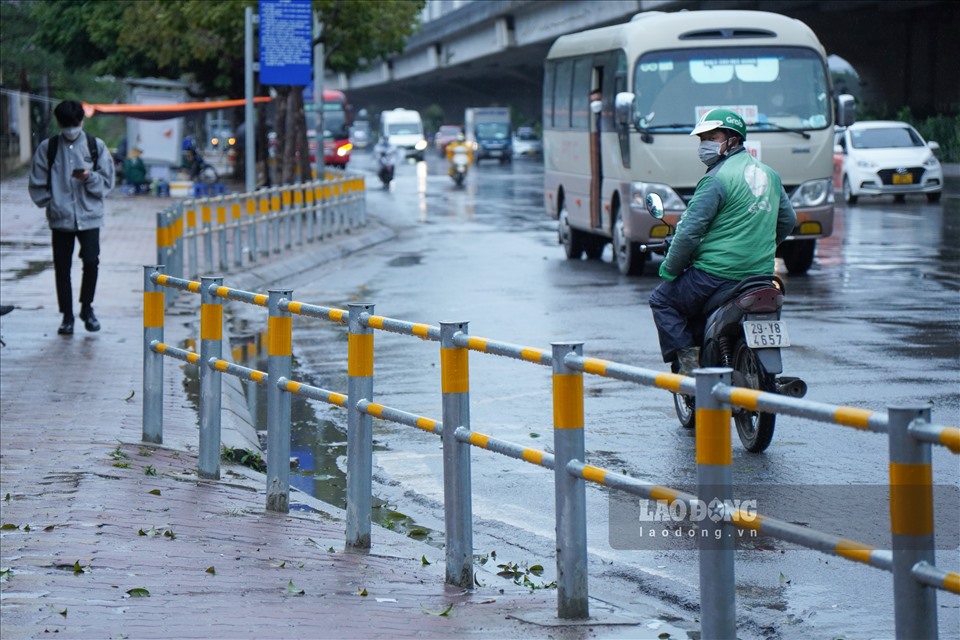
<point x="106" y="537"/>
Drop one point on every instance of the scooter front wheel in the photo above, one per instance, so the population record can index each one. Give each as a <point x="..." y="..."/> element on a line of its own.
<point x="754" y="428"/>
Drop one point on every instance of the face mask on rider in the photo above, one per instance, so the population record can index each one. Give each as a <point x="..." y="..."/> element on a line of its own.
<point x="71" y="133"/>
<point x="596" y="106"/>
<point x="709" y="152"/>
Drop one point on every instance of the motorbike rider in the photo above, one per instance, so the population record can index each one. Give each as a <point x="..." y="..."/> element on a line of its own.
<point x="459" y="145"/>
<point x="730" y="230"/>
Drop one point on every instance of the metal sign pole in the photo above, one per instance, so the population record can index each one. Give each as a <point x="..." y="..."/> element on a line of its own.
<point x="249" y="115"/>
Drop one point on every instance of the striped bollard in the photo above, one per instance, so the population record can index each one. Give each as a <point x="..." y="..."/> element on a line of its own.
<point x="310" y="202"/>
<point x="298" y="213"/>
<point x="287" y="199"/>
<point x="207" y="222"/>
<point x="179" y="261"/>
<point x="223" y="263"/>
<point x="190" y="216"/>
<point x="265" y="214"/>
<point x="457" y="505"/>
<point x="279" y="364"/>
<point x="359" y="429"/>
<point x="164" y="237"/>
<point x="714" y="490"/>
<point x="276" y="214"/>
<point x="211" y="348"/>
<point x="152" y="361"/>
<point x="911" y="524"/>
<point x="235" y="212"/>
<point x="569" y="490"/>
<point x="252" y="227"/>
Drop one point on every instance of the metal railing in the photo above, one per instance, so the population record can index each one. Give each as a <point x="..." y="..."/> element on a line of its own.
<point x="911" y="436"/>
<point x="238" y="229"/>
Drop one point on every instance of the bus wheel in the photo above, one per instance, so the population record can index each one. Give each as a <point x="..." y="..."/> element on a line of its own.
<point x="571" y="239"/>
<point x="629" y="259"/>
<point x="798" y="255"/>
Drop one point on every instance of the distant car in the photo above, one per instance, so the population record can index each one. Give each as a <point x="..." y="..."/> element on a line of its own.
<point x="360" y="134"/>
<point x="222" y="139"/>
<point x="446" y="134"/>
<point x="526" y="142"/>
<point x="886" y="157"/>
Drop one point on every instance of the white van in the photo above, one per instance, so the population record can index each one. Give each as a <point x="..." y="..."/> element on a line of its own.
<point x="405" y="130"/>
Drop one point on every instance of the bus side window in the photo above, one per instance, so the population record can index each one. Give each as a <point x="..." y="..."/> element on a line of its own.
<point x="580" y="103"/>
<point x="561" y="94"/>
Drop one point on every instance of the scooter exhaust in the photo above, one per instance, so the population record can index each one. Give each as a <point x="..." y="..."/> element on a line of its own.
<point x="792" y="387"/>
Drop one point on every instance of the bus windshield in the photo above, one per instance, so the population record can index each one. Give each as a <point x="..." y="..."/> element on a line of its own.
<point x="771" y="87"/>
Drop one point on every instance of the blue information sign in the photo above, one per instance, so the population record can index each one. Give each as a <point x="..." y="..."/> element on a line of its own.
<point x="286" y="36"/>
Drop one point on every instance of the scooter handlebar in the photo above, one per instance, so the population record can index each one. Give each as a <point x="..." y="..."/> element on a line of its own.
<point x="655" y="247"/>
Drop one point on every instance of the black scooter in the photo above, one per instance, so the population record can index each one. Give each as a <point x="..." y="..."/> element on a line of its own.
<point x="740" y="328"/>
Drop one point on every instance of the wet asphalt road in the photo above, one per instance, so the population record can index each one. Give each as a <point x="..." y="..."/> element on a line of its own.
<point x="876" y="323"/>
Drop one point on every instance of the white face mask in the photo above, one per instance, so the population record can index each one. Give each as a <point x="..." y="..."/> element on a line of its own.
<point x="709" y="152"/>
<point x="596" y="106"/>
<point x="71" y="133"/>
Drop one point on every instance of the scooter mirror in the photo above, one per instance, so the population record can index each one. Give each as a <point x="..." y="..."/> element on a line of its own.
<point x="655" y="205"/>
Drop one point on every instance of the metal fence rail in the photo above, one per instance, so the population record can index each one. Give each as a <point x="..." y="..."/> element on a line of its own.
<point x="238" y="229"/>
<point x="910" y="432"/>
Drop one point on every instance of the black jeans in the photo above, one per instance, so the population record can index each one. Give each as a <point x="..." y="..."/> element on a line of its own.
<point x="63" y="243"/>
<point x="675" y="304"/>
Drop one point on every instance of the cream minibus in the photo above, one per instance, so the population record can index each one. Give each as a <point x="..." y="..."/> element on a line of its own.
<point x="657" y="75"/>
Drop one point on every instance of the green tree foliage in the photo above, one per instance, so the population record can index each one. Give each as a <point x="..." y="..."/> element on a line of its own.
<point x="200" y="41"/>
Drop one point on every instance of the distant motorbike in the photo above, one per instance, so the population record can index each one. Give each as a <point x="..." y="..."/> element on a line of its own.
<point x="459" y="156"/>
<point x="740" y="328"/>
<point x="386" y="159"/>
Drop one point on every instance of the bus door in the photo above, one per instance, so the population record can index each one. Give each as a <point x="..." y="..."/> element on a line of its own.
<point x="596" y="163"/>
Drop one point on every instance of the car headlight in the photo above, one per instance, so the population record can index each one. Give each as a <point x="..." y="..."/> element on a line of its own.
<point x="866" y="164"/>
<point x="813" y="193"/>
<point x="640" y="190"/>
<point x="931" y="162"/>
<point x="421" y="145"/>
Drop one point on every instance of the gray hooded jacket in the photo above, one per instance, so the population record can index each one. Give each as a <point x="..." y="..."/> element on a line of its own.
<point x="72" y="204"/>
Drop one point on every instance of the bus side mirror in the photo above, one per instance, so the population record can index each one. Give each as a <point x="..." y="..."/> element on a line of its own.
<point x="846" y="110"/>
<point x="624" y="108"/>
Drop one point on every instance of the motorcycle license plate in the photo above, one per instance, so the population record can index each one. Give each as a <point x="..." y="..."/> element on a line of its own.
<point x="761" y="334"/>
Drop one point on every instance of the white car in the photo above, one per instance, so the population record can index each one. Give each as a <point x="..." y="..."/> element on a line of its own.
<point x="885" y="157"/>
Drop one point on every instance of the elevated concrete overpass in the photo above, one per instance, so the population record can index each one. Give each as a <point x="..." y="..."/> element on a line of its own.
<point x="491" y="52"/>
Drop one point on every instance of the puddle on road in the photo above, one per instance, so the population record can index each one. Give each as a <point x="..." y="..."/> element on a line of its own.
<point x="32" y="268"/>
<point x="320" y="446"/>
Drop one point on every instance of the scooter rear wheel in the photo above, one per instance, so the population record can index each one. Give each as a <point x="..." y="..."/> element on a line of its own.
<point x="685" y="406"/>
<point x="754" y="428"/>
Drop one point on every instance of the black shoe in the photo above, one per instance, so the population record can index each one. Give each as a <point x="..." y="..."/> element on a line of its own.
<point x="90" y="321"/>
<point x="66" y="327"/>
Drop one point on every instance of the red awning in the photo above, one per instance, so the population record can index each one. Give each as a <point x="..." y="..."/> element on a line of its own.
<point x="163" y="111"/>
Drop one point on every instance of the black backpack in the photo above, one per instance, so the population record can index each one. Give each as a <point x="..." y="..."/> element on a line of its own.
<point x="53" y="144"/>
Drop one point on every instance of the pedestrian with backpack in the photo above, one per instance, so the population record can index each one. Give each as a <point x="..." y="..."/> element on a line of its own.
<point x="70" y="176"/>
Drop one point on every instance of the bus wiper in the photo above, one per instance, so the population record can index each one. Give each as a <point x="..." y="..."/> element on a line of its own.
<point x="777" y="127"/>
<point x="645" y="131"/>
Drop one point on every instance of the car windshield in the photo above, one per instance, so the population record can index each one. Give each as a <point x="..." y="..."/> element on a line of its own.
<point x="885" y="138"/>
<point x="448" y="131"/>
<point x="770" y="87"/>
<point x="403" y="129"/>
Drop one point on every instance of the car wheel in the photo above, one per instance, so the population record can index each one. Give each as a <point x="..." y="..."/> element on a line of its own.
<point x="848" y="196"/>
<point x="933" y="197"/>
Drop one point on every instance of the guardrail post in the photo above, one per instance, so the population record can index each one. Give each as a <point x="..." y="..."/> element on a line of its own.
<point x="279" y="364"/>
<point x="457" y="505"/>
<point x="178" y="250"/>
<point x="275" y="215"/>
<point x="287" y="199"/>
<point x="911" y="524"/>
<point x="359" y="429"/>
<point x="211" y="346"/>
<point x="714" y="490"/>
<point x="190" y="213"/>
<point x="265" y="213"/>
<point x="252" y="228"/>
<point x="237" y="236"/>
<point x="309" y="197"/>
<point x="222" y="234"/>
<point x="569" y="490"/>
<point x="298" y="213"/>
<point x="152" y="361"/>
<point x="207" y="235"/>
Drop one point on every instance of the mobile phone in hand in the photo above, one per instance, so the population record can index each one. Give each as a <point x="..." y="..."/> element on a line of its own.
<point x="78" y="173"/>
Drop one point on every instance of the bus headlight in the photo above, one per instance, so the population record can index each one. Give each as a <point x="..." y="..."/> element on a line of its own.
<point x="421" y="145"/>
<point x="640" y="190"/>
<point x="813" y="193"/>
<point x="344" y="150"/>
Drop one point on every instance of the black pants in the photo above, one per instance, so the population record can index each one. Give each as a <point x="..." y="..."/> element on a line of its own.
<point x="63" y="243"/>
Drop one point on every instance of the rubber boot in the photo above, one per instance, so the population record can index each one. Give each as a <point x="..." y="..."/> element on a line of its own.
<point x="689" y="360"/>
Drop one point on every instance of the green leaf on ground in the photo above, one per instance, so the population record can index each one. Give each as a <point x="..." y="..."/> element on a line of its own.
<point x="154" y="492"/>
<point x="138" y="592"/>
<point x="77" y="569"/>
<point x="424" y="561"/>
<point x="9" y="527"/>
<point x="149" y="471"/>
<point x="439" y="613"/>
<point x="211" y="570"/>
<point x="292" y="590"/>
<point x="362" y="592"/>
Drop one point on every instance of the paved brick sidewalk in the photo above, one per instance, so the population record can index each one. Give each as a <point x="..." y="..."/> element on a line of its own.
<point x="90" y="515"/>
